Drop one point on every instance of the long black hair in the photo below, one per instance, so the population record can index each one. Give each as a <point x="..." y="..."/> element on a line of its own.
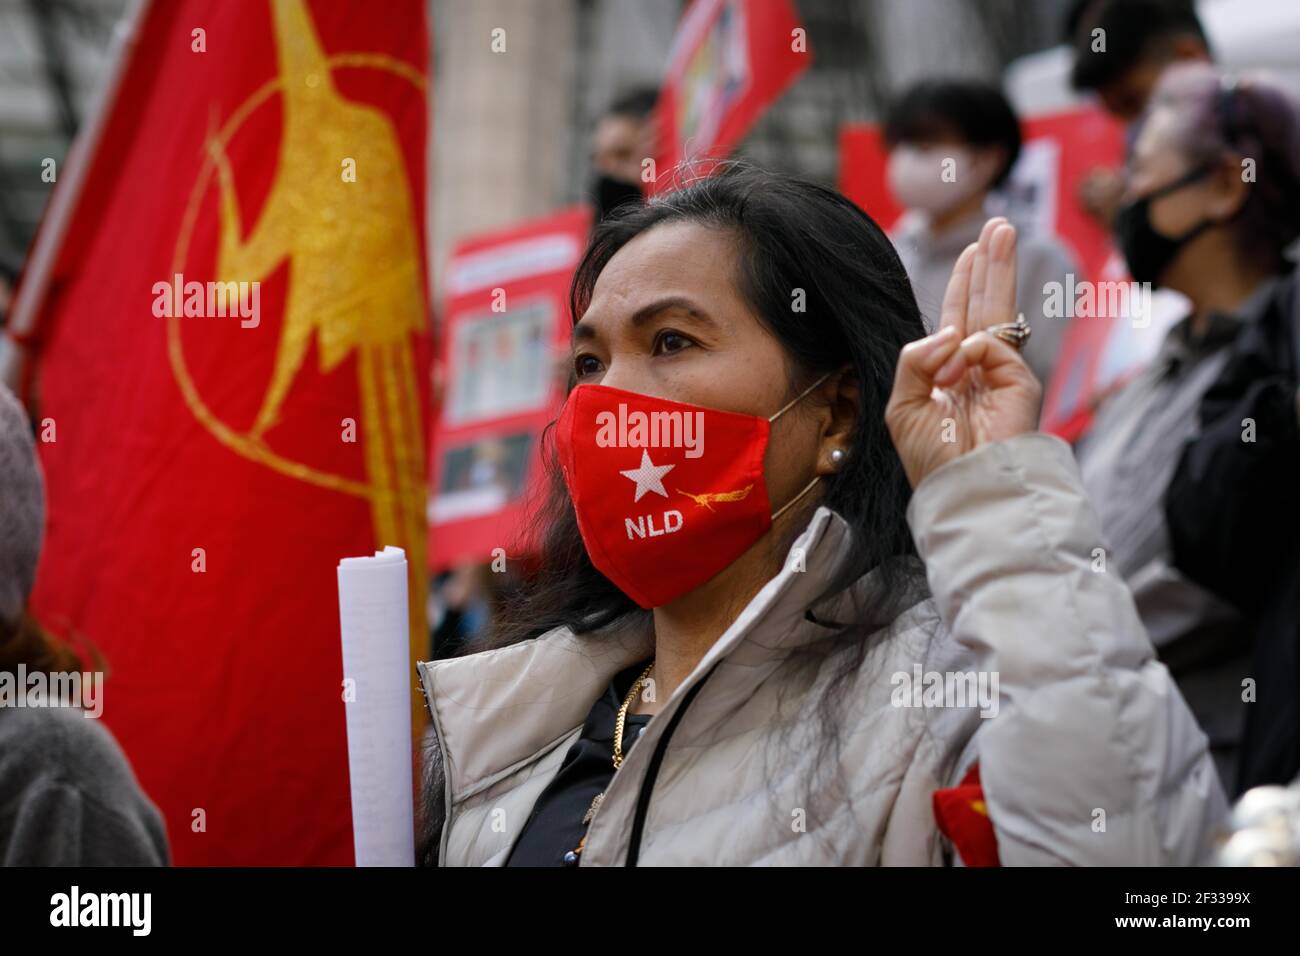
<point x="859" y="312"/>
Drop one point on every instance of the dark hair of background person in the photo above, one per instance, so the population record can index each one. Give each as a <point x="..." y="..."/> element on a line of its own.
<point x="1135" y="30"/>
<point x="969" y="110"/>
<point x="10" y="266"/>
<point x="860" y="313"/>
<point x="636" y="103"/>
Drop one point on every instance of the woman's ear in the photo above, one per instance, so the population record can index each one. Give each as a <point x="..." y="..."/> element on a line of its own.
<point x="1231" y="188"/>
<point x="840" y="393"/>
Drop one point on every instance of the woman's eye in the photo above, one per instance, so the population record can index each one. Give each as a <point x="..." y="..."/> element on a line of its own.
<point x="584" y="365"/>
<point x="671" y="342"/>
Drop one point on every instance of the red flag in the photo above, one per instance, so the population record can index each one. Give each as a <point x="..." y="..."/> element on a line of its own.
<point x="730" y="60"/>
<point x="232" y="340"/>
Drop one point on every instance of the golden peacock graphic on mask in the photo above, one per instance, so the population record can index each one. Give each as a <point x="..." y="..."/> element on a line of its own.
<point x="710" y="498"/>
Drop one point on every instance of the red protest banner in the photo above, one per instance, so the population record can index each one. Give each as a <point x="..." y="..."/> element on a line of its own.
<point x="217" y="454"/>
<point x="505" y="332"/>
<point x="730" y="59"/>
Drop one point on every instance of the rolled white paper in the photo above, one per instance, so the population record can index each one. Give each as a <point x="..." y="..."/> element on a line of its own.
<point x="374" y="621"/>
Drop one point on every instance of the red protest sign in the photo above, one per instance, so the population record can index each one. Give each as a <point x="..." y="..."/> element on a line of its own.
<point x="863" y="172"/>
<point x="730" y="59"/>
<point x="505" y="333"/>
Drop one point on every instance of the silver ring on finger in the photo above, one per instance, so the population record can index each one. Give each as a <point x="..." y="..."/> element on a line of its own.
<point x="1015" y="334"/>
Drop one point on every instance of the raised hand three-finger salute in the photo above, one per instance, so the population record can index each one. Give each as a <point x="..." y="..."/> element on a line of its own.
<point x="963" y="387"/>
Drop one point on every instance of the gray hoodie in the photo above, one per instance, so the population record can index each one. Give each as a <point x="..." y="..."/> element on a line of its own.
<point x="68" y="796"/>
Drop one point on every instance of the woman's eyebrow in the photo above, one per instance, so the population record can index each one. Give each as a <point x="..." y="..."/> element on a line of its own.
<point x="649" y="311"/>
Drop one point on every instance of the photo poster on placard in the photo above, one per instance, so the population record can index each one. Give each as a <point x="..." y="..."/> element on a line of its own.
<point x="503" y="346"/>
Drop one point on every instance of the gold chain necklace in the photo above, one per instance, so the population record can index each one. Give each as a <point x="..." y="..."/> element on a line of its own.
<point x="572" y="856"/>
<point x="622" y="715"/>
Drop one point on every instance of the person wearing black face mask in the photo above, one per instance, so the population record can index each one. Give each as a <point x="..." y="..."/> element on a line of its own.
<point x="1232" y="506"/>
<point x="1211" y="201"/>
<point x="609" y="192"/>
<point x="623" y="138"/>
<point x="1144" y="38"/>
<point x="1147" y="251"/>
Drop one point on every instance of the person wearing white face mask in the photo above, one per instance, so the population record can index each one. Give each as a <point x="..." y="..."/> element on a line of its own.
<point x="952" y="143"/>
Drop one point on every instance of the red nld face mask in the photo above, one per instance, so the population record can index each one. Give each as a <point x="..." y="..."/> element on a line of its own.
<point x="667" y="494"/>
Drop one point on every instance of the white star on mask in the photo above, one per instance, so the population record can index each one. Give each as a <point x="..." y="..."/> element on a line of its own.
<point x="649" y="477"/>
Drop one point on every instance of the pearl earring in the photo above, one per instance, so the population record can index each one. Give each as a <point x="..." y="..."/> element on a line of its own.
<point x="837" y="457"/>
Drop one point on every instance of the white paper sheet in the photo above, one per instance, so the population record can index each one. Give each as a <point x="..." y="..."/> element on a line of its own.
<point x="374" y="620"/>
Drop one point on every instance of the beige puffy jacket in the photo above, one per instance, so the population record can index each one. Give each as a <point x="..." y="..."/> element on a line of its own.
<point x="1091" y="758"/>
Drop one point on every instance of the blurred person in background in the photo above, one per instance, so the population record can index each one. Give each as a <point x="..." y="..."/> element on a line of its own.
<point x="458" y="607"/>
<point x="624" y="136"/>
<point x="951" y="144"/>
<point x="1121" y="64"/>
<point x="1194" y="221"/>
<point x="67" y="793"/>
<point x="1234" y="502"/>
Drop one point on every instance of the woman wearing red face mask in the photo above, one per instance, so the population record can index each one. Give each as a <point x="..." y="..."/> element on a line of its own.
<point x="809" y="579"/>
